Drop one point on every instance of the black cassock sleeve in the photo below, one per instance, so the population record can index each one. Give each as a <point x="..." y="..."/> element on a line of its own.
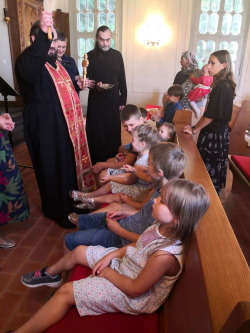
<point x="122" y="83"/>
<point x="30" y="63"/>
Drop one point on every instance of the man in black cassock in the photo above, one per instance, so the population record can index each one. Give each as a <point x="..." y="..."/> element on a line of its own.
<point x="103" y="117"/>
<point x="45" y="129"/>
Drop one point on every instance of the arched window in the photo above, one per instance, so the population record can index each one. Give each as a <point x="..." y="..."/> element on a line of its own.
<point x="220" y="25"/>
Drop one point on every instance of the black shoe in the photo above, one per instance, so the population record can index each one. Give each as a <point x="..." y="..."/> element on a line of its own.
<point x="41" y="278"/>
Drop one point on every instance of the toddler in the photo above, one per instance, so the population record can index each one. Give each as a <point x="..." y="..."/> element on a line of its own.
<point x="201" y="89"/>
<point x="167" y="132"/>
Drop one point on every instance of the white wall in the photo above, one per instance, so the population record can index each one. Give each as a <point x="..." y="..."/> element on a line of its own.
<point x="5" y="57"/>
<point x="150" y="71"/>
<point x="63" y="5"/>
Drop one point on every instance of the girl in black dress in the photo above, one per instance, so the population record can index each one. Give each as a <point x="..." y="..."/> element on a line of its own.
<point x="213" y="141"/>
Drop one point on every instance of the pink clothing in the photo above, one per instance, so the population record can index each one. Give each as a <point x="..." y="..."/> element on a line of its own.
<point x="94" y="295"/>
<point x="202" y="87"/>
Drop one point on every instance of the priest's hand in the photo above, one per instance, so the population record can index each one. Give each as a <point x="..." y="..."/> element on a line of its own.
<point x="46" y="21"/>
<point x="89" y="83"/>
<point x="121" y="107"/>
<point x="98" y="86"/>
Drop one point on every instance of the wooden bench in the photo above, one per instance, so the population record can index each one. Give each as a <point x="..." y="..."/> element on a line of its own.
<point x="213" y="293"/>
<point x="239" y="158"/>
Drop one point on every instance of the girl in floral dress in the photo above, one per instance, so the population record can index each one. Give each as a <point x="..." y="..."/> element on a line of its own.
<point x="135" y="279"/>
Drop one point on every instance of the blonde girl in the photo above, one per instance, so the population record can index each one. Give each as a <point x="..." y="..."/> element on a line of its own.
<point x="135" y="279"/>
<point x="143" y="138"/>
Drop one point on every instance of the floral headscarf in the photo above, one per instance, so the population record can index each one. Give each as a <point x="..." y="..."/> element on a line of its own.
<point x="192" y="63"/>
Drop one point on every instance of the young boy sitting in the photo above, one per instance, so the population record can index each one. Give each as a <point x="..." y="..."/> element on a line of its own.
<point x="130" y="117"/>
<point x="171" y="104"/>
<point x="166" y="161"/>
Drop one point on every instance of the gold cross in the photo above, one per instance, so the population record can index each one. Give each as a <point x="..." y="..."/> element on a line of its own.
<point x="61" y="83"/>
<point x="85" y="159"/>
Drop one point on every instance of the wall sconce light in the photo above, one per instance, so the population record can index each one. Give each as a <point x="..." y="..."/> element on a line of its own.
<point x="5" y="12"/>
<point x="154" y="32"/>
<point x="153" y="35"/>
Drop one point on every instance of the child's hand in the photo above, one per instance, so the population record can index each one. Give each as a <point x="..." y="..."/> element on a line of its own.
<point x="101" y="265"/>
<point x="120" y="157"/>
<point x="164" y="97"/>
<point x="112" y="225"/>
<point x="97" y="167"/>
<point x="128" y="168"/>
<point x="116" y="215"/>
<point x="105" y="179"/>
<point x="191" y="75"/>
<point x="124" y="198"/>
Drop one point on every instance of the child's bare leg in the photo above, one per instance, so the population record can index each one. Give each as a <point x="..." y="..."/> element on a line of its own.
<point x="109" y="208"/>
<point x="69" y="261"/>
<point x="98" y="193"/>
<point x="101" y="191"/>
<point x="109" y="198"/>
<point x="54" y="310"/>
<point x="195" y="108"/>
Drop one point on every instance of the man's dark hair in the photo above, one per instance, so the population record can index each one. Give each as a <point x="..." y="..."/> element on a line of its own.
<point x="176" y="90"/>
<point x="34" y="29"/>
<point x="61" y="36"/>
<point x="102" y="28"/>
<point x="130" y="111"/>
<point x="97" y="51"/>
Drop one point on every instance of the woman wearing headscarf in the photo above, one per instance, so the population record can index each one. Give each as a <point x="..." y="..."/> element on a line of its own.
<point x="189" y="65"/>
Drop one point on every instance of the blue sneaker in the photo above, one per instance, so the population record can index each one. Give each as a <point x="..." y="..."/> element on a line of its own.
<point x="41" y="278"/>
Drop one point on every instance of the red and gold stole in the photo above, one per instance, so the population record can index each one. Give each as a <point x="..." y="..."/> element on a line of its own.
<point x="72" y="111"/>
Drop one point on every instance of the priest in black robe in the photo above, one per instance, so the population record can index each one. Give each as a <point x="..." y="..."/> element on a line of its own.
<point x="45" y="128"/>
<point x="103" y="117"/>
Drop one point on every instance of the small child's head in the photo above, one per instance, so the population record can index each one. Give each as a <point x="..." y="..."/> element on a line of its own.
<point x="167" y="132"/>
<point x="144" y="114"/>
<point x="144" y="137"/>
<point x="131" y="117"/>
<point x="204" y="71"/>
<point x="166" y="159"/>
<point x="187" y="202"/>
<point x="174" y="94"/>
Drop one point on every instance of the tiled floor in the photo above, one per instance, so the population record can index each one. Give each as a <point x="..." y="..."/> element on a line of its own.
<point x="39" y="243"/>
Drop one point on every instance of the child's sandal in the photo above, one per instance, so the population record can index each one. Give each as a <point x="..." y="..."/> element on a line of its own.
<point x="73" y="218"/>
<point x="76" y="195"/>
<point x="88" y="203"/>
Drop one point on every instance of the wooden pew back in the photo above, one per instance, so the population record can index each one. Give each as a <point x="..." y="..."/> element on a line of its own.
<point x="216" y="278"/>
<point x="238" y="144"/>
